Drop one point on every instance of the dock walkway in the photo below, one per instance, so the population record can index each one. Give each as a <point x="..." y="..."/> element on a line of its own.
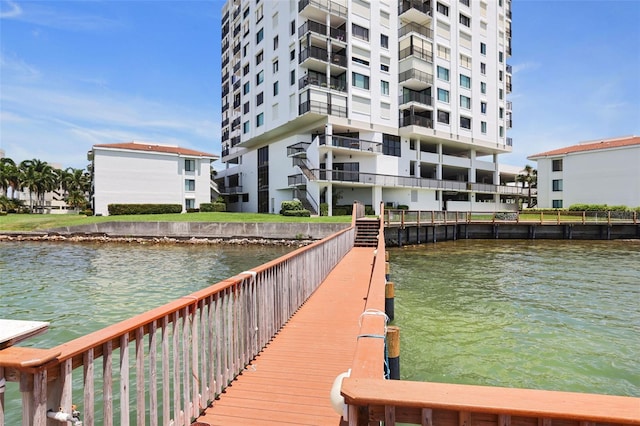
<point x="290" y="380"/>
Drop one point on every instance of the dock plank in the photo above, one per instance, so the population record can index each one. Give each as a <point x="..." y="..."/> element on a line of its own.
<point x="290" y="380"/>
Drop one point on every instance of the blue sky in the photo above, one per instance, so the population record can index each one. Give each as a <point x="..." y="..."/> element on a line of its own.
<point x="77" y="73"/>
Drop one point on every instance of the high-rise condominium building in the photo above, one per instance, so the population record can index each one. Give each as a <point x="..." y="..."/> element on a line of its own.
<point x="401" y="102"/>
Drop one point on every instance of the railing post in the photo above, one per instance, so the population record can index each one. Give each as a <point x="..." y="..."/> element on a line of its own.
<point x="558" y="220"/>
<point x="584" y="217"/>
<point x="609" y="217"/>
<point x="541" y="217"/>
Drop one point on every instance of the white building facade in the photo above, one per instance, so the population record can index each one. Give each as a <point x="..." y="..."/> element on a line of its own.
<point x="595" y="172"/>
<point x="401" y="102"/>
<point x="146" y="173"/>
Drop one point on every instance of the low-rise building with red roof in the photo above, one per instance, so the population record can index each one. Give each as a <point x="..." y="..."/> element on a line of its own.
<point x="149" y="173"/>
<point x="603" y="171"/>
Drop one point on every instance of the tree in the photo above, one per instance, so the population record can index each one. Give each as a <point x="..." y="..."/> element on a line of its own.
<point x="529" y="178"/>
<point x="38" y="177"/>
<point x="9" y="176"/>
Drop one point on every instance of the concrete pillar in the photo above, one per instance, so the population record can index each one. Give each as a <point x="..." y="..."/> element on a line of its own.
<point x="376" y="198"/>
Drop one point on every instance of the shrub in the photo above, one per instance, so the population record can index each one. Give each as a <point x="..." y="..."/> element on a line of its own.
<point x="86" y="212"/>
<point x="298" y="213"/>
<point x="341" y="211"/>
<point x="193" y="210"/>
<point x="597" y="208"/>
<point x="324" y="209"/>
<point x="369" y="211"/>
<point x="213" y="207"/>
<point x="291" y="205"/>
<point x="403" y="207"/>
<point x="120" y="209"/>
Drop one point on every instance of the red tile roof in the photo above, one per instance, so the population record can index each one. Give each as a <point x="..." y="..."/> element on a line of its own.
<point x="167" y="149"/>
<point x="591" y="146"/>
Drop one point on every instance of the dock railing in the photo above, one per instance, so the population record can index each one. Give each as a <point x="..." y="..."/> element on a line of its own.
<point x="395" y="217"/>
<point x="167" y="365"/>
<point x="371" y="399"/>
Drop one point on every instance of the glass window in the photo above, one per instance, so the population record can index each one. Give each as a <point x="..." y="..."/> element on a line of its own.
<point x="483" y="87"/>
<point x="501" y="132"/>
<point x="483" y="126"/>
<point x="276" y="65"/>
<point x="246" y="127"/>
<point x="384" y="67"/>
<point x="260" y="35"/>
<point x="384" y="87"/>
<point x="443" y="95"/>
<point x="260" y="78"/>
<point x="360" y="32"/>
<point x="465" y="81"/>
<point x="293" y="27"/>
<point x="556" y="204"/>
<point x="189" y="165"/>
<point x="245" y="108"/>
<point x="260" y="98"/>
<point x="483" y="68"/>
<point x="557" y="184"/>
<point x="443" y="117"/>
<point x="483" y="48"/>
<point x="275" y="42"/>
<point x="189" y="203"/>
<point x="189" y="185"/>
<point x="259" y="58"/>
<point x="500" y="57"/>
<point x="292" y="54"/>
<point x="275" y="89"/>
<point x="360" y="61"/>
<point x="441" y="8"/>
<point x="483" y="107"/>
<point x="260" y="119"/>
<point x="500" y="94"/>
<point x="465" y="102"/>
<point x="245" y="70"/>
<point x="384" y="41"/>
<point x="556" y="165"/>
<point x="465" y="20"/>
<point x="443" y="73"/>
<point x="465" y="122"/>
<point x="359" y="80"/>
<point x="391" y="145"/>
<point x="246" y="88"/>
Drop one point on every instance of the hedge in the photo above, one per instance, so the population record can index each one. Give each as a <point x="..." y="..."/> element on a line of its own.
<point x="290" y="206"/>
<point x="120" y="209"/>
<point x="299" y="213"/>
<point x="213" y="207"/>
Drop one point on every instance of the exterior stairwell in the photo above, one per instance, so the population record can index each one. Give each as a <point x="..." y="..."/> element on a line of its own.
<point x="367" y="232"/>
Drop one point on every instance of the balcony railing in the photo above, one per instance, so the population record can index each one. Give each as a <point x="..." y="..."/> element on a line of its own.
<point x="352" y="143"/>
<point x="320" y="80"/>
<point x="312" y="26"/>
<point x="326" y="5"/>
<point x="337" y="34"/>
<point x="416" y="52"/>
<point x="415" y="97"/>
<point x="416" y="120"/>
<point x="421" y="6"/>
<point x="314" y="52"/>
<point x="415" y="28"/>
<point x="509" y="141"/>
<point x="322" y="108"/>
<point x="414" y="74"/>
<point x="297" y="148"/>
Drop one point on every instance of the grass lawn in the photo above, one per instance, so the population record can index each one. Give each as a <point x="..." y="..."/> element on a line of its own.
<point x="40" y="222"/>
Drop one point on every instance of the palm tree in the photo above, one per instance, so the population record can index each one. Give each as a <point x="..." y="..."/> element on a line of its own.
<point x="9" y="177"/>
<point x="528" y="177"/>
<point x="38" y="177"/>
<point x="76" y="185"/>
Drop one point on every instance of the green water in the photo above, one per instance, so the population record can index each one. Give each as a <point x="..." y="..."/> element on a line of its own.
<point x="555" y="315"/>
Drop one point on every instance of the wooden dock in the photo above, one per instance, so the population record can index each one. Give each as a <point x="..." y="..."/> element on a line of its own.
<point x="290" y="380"/>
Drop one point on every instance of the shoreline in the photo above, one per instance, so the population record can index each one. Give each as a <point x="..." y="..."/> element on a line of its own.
<point x="77" y="238"/>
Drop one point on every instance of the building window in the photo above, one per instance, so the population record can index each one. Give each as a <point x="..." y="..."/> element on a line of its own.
<point x="275" y="89"/>
<point x="384" y="67"/>
<point x="483" y="127"/>
<point x="260" y="78"/>
<point x="263" y="179"/>
<point x="483" y="107"/>
<point x="556" y="165"/>
<point x="441" y="8"/>
<point x="292" y="54"/>
<point x="190" y="185"/>
<point x="465" y="81"/>
<point x="465" y="61"/>
<point x="501" y="132"/>
<point x="260" y="119"/>
<point x="293" y="27"/>
<point x="556" y="204"/>
<point x="246" y="127"/>
<point x="292" y="77"/>
<point x="500" y="57"/>
<point x="245" y="108"/>
<point x="500" y="75"/>
<point x="245" y="13"/>
<point x="465" y="20"/>
<point x="384" y="41"/>
<point x="556" y="184"/>
<point x="359" y="80"/>
<point x="189" y="165"/>
<point x="275" y="43"/>
<point x="443" y="95"/>
<point x="260" y="98"/>
<point x="259" y="58"/>
<point x="443" y="73"/>
<point x="246" y="88"/>
<point x="500" y="112"/>
<point x="189" y="203"/>
<point x="483" y="48"/>
<point x="359" y="61"/>
<point x="483" y="68"/>
<point x="391" y="145"/>
<point x="245" y="70"/>
<point x="465" y="123"/>
<point x="259" y="14"/>
<point x="360" y="32"/>
<point x="483" y="88"/>
<point x="276" y="66"/>
<point x="384" y="87"/>
<point x="444" y="52"/>
<point x="443" y="117"/>
<point x="260" y="35"/>
<point x="500" y="94"/>
<point x="465" y="102"/>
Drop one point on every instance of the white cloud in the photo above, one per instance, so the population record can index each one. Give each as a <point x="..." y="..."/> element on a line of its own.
<point x="524" y="66"/>
<point x="9" y="9"/>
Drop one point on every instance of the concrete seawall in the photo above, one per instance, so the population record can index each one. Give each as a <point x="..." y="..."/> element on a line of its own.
<point x="225" y="230"/>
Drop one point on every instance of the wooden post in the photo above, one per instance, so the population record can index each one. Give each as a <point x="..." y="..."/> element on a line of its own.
<point x="386" y="270"/>
<point x="389" y="300"/>
<point x="393" y="352"/>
